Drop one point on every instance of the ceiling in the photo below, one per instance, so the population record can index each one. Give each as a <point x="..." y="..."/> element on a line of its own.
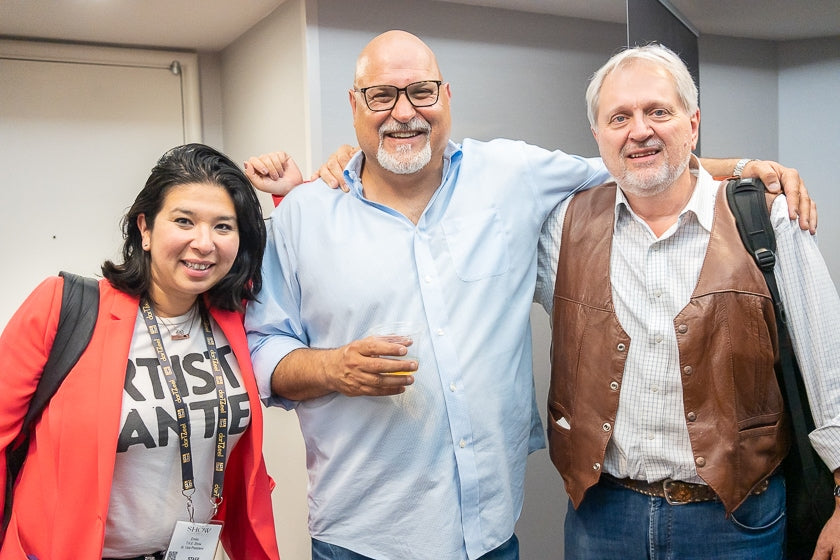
<point x="178" y="24"/>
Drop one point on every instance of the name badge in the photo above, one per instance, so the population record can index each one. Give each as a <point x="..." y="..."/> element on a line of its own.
<point x="194" y="541"/>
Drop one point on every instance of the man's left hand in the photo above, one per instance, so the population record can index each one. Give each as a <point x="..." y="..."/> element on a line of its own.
<point x="800" y="205"/>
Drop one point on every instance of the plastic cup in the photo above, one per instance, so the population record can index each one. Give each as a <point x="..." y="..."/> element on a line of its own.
<point x="400" y="332"/>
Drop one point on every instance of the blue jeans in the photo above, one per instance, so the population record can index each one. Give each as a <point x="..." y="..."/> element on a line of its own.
<point x="325" y="551"/>
<point x="615" y="522"/>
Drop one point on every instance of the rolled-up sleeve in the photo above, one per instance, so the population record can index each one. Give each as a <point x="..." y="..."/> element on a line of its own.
<point x="273" y="321"/>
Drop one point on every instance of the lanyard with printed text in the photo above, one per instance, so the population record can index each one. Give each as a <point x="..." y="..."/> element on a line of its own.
<point x="181" y="413"/>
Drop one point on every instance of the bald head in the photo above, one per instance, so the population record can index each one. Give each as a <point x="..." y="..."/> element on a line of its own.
<point x="394" y="52"/>
<point x="406" y="139"/>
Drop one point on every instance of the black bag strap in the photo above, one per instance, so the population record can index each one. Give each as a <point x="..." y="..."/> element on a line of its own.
<point x="79" y="308"/>
<point x="76" y="321"/>
<point x="747" y="201"/>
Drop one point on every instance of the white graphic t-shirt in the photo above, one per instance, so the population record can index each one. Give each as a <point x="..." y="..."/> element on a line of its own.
<point x="146" y="498"/>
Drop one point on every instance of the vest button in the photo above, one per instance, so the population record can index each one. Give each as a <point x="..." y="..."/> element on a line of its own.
<point x="596" y="466"/>
<point x="621" y="347"/>
<point x="614" y="385"/>
<point x="700" y="461"/>
<point x="692" y="417"/>
<point x="606" y="427"/>
<point x="688" y="370"/>
<point x="682" y="329"/>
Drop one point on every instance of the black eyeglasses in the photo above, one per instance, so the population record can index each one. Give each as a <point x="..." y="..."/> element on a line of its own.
<point x="419" y="94"/>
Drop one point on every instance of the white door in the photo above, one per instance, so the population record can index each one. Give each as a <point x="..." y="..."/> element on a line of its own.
<point x="80" y="129"/>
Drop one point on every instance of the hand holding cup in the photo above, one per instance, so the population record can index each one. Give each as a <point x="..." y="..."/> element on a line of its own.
<point x="407" y="337"/>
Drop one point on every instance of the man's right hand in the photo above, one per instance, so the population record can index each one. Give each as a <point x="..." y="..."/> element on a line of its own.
<point x="355" y="369"/>
<point x="360" y="368"/>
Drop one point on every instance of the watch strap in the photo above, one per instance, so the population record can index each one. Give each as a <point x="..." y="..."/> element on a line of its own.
<point x="739" y="167"/>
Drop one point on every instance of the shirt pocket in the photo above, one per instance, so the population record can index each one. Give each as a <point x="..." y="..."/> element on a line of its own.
<point x="477" y="245"/>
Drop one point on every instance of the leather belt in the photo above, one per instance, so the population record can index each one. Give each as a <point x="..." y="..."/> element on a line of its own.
<point x="675" y="492"/>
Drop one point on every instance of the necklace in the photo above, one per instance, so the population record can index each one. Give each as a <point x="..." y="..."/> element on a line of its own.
<point x="176" y="330"/>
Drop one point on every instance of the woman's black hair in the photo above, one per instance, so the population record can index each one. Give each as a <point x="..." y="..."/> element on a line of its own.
<point x="195" y="163"/>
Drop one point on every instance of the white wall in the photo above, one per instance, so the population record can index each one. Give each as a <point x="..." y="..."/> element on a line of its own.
<point x="264" y="88"/>
<point x="809" y="122"/>
<point x="775" y="100"/>
<point x="263" y="96"/>
<point x="513" y="74"/>
<point x="739" y="85"/>
<point x="210" y="78"/>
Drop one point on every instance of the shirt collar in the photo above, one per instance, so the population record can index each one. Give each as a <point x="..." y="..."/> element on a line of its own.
<point x="353" y="171"/>
<point x="705" y="189"/>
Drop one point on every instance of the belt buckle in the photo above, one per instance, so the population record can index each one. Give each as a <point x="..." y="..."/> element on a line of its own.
<point x="666" y="485"/>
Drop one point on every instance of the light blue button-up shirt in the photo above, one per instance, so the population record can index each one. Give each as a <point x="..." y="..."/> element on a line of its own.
<point x="438" y="471"/>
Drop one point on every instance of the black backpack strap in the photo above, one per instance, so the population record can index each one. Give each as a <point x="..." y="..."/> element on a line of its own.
<point x="747" y="202"/>
<point x="76" y="321"/>
<point x="79" y="308"/>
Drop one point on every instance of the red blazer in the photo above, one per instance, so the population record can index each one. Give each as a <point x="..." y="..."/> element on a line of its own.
<point x="61" y="497"/>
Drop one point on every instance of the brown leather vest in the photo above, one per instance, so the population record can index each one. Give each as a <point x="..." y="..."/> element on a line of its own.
<point x="727" y="344"/>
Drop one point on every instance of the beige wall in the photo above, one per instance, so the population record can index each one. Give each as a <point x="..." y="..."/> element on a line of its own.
<point x="264" y="90"/>
<point x="264" y="100"/>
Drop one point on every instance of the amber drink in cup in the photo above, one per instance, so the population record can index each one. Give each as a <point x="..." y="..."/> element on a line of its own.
<point x="401" y="332"/>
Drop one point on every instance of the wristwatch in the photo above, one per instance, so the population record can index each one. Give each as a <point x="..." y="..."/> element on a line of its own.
<point x="837" y="491"/>
<point x="739" y="167"/>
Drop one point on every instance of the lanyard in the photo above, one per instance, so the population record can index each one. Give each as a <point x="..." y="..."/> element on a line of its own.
<point x="182" y="414"/>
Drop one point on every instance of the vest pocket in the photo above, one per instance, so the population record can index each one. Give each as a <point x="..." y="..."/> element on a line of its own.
<point x="559" y="419"/>
<point x="559" y="437"/>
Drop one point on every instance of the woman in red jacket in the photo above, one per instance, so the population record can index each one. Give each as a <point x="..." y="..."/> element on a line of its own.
<point x="153" y="441"/>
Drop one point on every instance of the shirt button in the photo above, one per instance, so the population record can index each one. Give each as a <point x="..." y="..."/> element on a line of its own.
<point x="462" y="444"/>
<point x="692" y="417"/>
<point x="614" y="385"/>
<point x="651" y="436"/>
<point x="452" y="387"/>
<point x="658" y="338"/>
<point x="439" y="332"/>
<point x="654" y="389"/>
<point x="428" y="279"/>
